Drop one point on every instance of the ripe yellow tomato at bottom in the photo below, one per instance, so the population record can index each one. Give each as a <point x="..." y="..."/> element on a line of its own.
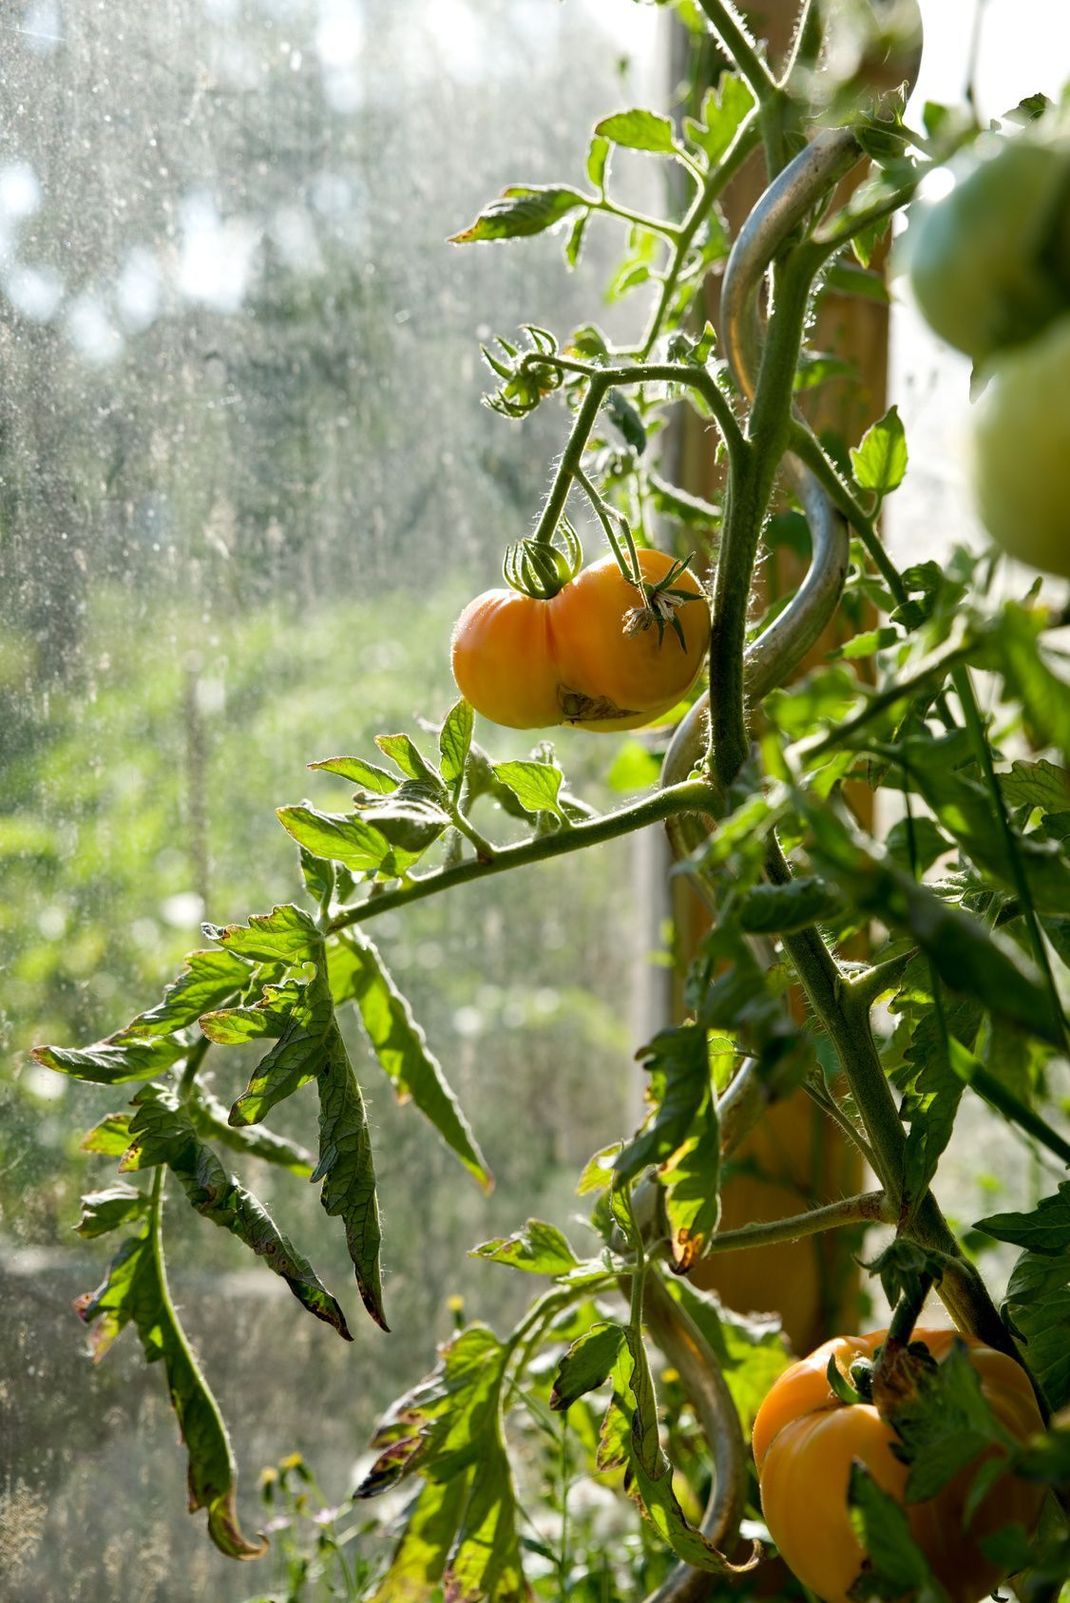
<point x="530" y="664"/>
<point x="805" y="1440"/>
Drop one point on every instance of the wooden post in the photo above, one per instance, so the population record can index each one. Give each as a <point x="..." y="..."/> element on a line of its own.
<point x="796" y="1157"/>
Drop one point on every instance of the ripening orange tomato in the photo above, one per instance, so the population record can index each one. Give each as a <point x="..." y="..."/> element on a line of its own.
<point x="592" y="655"/>
<point x="805" y="1440"/>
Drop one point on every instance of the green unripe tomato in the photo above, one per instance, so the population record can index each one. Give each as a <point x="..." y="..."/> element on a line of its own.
<point x="1021" y="451"/>
<point x="990" y="262"/>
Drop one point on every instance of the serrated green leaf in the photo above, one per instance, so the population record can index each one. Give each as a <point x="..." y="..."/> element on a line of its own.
<point x="454" y="742"/>
<point x="347" y="1170"/>
<point x="357" y="973"/>
<point x="895" y="1564"/>
<point x="162" y="1132"/>
<point x="485" y="1562"/>
<point x="536" y="786"/>
<point x="1039" y="784"/>
<point x="349" y="839"/>
<point x="679" y="1066"/>
<point x="784" y="909"/>
<point x="266" y="1018"/>
<point x="692" y="1181"/>
<point x="597" y="157"/>
<point x="299" y="1055"/>
<point x="968" y="957"/>
<point x="116" y="1060"/>
<point x="368" y="776"/>
<point x="880" y="461"/>
<point x="285" y="935"/>
<point x="318" y="875"/>
<point x="576" y="235"/>
<point x="540" y="1248"/>
<point x="751" y="1351"/>
<point x="586" y="1365"/>
<point x="626" y="419"/>
<point x="520" y="210"/>
<point x="639" y="130"/>
<point x="1030" y="676"/>
<point x="210" y="1119"/>
<point x="104" y="1211"/>
<point x="110" y="1137"/>
<point x="406" y="755"/>
<point x="208" y="979"/>
<point x="723" y="109"/>
<point x="1038" y="1304"/>
<point x="948" y="1427"/>
<point x="420" y="1557"/>
<point x="135" y="1288"/>
<point x="1045" y="1230"/>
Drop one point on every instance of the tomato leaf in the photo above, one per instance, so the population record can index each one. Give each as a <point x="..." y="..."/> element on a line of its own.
<point x="104" y="1211"/>
<point x="586" y="1365"/>
<point x="536" y="786"/>
<point x="210" y="1119"/>
<point x="116" y="1060"/>
<point x="679" y="1067"/>
<point x="723" y="109"/>
<point x="162" y="1132"/>
<point x="367" y="775"/>
<point x="895" y="1565"/>
<point x="947" y="1427"/>
<point x="626" y="420"/>
<point x="454" y="743"/>
<point x="539" y="1248"/>
<point x="1038" y="1306"/>
<point x="597" y="160"/>
<point x="358" y="974"/>
<point x="462" y="1527"/>
<point x="135" y="1289"/>
<point x="880" y="461"/>
<point x="1045" y="1230"/>
<point x="783" y="909"/>
<point x="692" y="1181"/>
<point x="520" y="210"/>
<point x="285" y="935"/>
<point x="639" y="130"/>
<point x="347" y="1170"/>
<point x="750" y="1351"/>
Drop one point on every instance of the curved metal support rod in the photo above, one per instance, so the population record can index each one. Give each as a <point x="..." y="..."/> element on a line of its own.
<point x="686" y="1349"/>
<point x="800" y="186"/>
<point x="770" y="659"/>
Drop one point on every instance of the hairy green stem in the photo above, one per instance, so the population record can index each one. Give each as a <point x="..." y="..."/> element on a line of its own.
<point x="582" y="425"/>
<point x="740" y="47"/>
<point x="692" y="796"/>
<point x="848" y="1026"/>
<point x="743" y="142"/>
<point x="869" y="1207"/>
<point x="750" y="489"/>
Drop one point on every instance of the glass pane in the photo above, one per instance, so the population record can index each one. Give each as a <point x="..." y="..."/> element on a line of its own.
<point x="245" y="486"/>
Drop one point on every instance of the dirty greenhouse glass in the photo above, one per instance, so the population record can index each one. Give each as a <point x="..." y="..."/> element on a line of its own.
<point x="240" y="438"/>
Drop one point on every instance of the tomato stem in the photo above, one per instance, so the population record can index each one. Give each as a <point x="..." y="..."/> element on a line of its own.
<point x="693" y="796"/>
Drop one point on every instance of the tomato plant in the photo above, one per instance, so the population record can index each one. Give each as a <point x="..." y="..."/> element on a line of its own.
<point x="894" y="975"/>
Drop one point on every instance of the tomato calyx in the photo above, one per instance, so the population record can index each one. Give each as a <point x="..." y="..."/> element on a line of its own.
<point x="660" y="604"/>
<point x="541" y="570"/>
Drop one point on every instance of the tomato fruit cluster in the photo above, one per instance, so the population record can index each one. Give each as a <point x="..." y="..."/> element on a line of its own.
<point x="596" y="654"/>
<point x="990" y="269"/>
<point x="806" y="1439"/>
